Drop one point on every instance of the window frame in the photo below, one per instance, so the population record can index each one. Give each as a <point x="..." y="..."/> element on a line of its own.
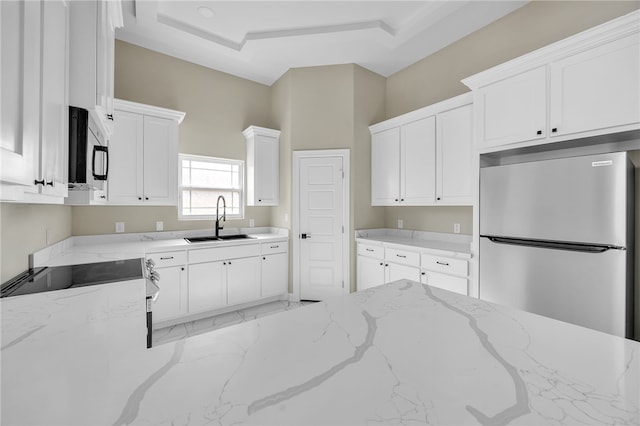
<point x="212" y="160"/>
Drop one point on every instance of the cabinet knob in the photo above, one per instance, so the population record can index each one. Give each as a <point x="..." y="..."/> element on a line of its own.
<point x="554" y="130"/>
<point x="140" y="198"/>
<point x="229" y="263"/>
<point x="264" y="258"/>
<point x="539" y="132"/>
<point x="146" y="198"/>
<point x="424" y="273"/>
<point x="50" y="183"/>
<point x="103" y="196"/>
<point x="110" y="117"/>
<point x="224" y="263"/>
<point x="259" y="201"/>
<point x="182" y="269"/>
<point x="38" y="182"/>
<point x="381" y="263"/>
<point x="396" y="200"/>
<point x="401" y="199"/>
<point x="438" y="198"/>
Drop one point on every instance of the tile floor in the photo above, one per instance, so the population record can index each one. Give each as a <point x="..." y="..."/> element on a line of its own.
<point x="192" y="328"/>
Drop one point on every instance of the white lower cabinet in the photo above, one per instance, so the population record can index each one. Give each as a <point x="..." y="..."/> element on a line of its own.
<point x="379" y="264"/>
<point x="207" y="287"/>
<point x="243" y="280"/>
<point x="172" y="301"/>
<point x="275" y="274"/>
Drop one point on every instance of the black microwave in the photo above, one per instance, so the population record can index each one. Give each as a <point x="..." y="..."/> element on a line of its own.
<point x="88" y="151"/>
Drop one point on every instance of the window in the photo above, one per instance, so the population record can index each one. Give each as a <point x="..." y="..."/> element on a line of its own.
<point x="203" y="179"/>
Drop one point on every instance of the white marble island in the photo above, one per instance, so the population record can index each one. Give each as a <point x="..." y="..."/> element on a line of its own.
<point x="400" y="353"/>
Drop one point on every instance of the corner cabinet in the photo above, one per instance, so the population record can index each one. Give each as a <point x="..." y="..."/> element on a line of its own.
<point x="424" y="157"/>
<point x="91" y="59"/>
<point x="144" y="151"/>
<point x="584" y="86"/>
<point x="263" y="166"/>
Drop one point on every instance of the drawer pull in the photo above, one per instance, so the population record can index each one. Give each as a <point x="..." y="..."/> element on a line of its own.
<point x="442" y="263"/>
<point x="368" y="249"/>
<point x="166" y="258"/>
<point x="275" y="246"/>
<point x="401" y="255"/>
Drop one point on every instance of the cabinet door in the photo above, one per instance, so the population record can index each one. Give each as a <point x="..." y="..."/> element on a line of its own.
<point x="243" y="280"/>
<point x="370" y="272"/>
<point x="172" y="301"/>
<point x="266" y="171"/>
<point x="207" y="286"/>
<point x="105" y="48"/>
<point x="54" y="140"/>
<point x="446" y="282"/>
<point x="385" y="167"/>
<point x="454" y="148"/>
<point x="418" y="162"/>
<point x="160" y="161"/>
<point x="20" y="88"/>
<point x="396" y="271"/>
<point x="596" y="90"/>
<point x="513" y="110"/>
<point x="125" y="157"/>
<point x="275" y="274"/>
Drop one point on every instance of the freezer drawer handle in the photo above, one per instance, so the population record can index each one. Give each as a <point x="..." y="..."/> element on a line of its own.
<point x="369" y="249"/>
<point x="166" y="258"/>
<point x="442" y="263"/>
<point x="558" y="245"/>
<point x="401" y="255"/>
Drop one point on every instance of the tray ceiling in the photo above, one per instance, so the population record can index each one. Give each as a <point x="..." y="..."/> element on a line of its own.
<point x="261" y="40"/>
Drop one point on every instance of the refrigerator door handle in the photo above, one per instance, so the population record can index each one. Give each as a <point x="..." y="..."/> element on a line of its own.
<point x="558" y="245"/>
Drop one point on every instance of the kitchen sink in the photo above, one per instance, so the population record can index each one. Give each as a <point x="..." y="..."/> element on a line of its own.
<point x="219" y="238"/>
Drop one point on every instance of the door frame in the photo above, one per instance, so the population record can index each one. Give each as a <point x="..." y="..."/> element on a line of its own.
<point x="295" y="213"/>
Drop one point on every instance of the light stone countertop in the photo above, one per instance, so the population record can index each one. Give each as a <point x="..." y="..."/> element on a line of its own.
<point x="455" y="245"/>
<point x="401" y="353"/>
<point x="102" y="248"/>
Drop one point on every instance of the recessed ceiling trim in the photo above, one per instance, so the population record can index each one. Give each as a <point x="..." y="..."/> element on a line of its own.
<point x="386" y="29"/>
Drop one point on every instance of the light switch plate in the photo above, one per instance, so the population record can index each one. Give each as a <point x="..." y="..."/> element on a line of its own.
<point x="119" y="226"/>
<point x="400" y="223"/>
<point x="456" y="228"/>
<point x="252" y="223"/>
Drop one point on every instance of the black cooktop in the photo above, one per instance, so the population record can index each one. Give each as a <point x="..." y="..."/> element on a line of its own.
<point x="38" y="280"/>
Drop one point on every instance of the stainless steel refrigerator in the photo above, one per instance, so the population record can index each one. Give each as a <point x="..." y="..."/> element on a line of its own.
<point x="557" y="239"/>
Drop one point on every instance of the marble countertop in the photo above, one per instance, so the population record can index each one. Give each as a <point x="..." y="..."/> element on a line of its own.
<point x="401" y="353"/>
<point x="102" y="248"/>
<point x="456" y="245"/>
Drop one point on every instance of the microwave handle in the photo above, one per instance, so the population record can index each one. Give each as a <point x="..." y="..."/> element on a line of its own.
<point x="93" y="162"/>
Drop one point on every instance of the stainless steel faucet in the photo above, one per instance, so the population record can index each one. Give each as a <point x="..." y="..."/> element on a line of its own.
<point x="224" y="213"/>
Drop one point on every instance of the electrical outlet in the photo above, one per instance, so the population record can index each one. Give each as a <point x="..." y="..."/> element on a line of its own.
<point x="456" y="228"/>
<point x="286" y="217"/>
<point x="252" y="223"/>
<point x="400" y="223"/>
<point x="159" y="225"/>
<point x="119" y="226"/>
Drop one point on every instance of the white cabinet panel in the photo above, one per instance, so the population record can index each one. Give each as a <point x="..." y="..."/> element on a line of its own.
<point x="596" y="89"/>
<point x="275" y="274"/>
<point x="207" y="286"/>
<point x="126" y="155"/>
<point x="454" y="148"/>
<point x="396" y="271"/>
<point x="172" y="300"/>
<point x="160" y="161"/>
<point x="418" y="162"/>
<point x="513" y="109"/>
<point x="243" y="280"/>
<point x="385" y="167"/>
<point x="446" y="282"/>
<point x="144" y="155"/>
<point x="263" y="166"/>
<point x="370" y="272"/>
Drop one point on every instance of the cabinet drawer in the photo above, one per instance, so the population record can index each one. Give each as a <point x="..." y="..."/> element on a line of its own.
<point x="446" y="282"/>
<point x="445" y="265"/>
<point x="168" y="258"/>
<point x="223" y="253"/>
<point x="403" y="256"/>
<point x="273" y="248"/>
<point x="369" y="250"/>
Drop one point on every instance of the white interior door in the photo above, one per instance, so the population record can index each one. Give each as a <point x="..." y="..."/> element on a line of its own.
<point x="322" y="257"/>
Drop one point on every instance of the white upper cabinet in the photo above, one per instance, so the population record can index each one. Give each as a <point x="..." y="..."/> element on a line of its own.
<point x="34" y="46"/>
<point x="596" y="90"/>
<point x="263" y="166"/>
<point x="454" y="147"/>
<point x="91" y="58"/>
<point x="513" y="109"/>
<point x="424" y="157"/>
<point x="385" y="167"/>
<point x="143" y="155"/>
<point x="586" y="85"/>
